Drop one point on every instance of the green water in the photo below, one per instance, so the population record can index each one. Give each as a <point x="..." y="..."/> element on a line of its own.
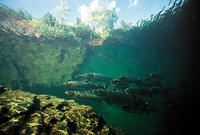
<point x="125" y="59"/>
<point x="161" y="46"/>
<point x="114" y="62"/>
<point x="132" y="123"/>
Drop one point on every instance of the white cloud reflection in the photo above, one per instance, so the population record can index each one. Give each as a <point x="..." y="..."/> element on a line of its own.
<point x="85" y="10"/>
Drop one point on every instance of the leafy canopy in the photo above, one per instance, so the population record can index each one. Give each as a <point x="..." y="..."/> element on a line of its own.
<point x="61" y="12"/>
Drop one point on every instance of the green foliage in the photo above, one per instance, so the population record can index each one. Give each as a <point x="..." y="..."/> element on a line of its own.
<point x="125" y="26"/>
<point x="81" y="31"/>
<point x="102" y="20"/>
<point x="49" y="19"/>
<point x="49" y="27"/>
<point x="49" y="31"/>
<point x="18" y="14"/>
<point x="61" y="12"/>
<point x="164" y="20"/>
<point x="24" y="14"/>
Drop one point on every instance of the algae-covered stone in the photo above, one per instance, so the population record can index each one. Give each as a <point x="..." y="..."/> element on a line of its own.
<point x="26" y="113"/>
<point x="2" y="89"/>
<point x="29" y="59"/>
<point x="28" y="63"/>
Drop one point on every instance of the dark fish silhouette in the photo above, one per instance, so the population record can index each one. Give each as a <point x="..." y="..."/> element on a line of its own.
<point x="141" y="91"/>
<point x="83" y="85"/>
<point x="127" y="79"/>
<point x="93" y="77"/>
<point x="147" y="82"/>
<point x="155" y="76"/>
<point x="119" y="84"/>
<point x="83" y="95"/>
<point x="127" y="101"/>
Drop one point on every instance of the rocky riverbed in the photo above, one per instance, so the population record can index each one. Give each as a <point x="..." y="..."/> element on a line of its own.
<point x="27" y="113"/>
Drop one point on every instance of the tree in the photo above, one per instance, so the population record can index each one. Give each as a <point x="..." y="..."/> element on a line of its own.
<point x="125" y="26"/>
<point x="24" y="14"/>
<point x="49" y="19"/>
<point x="101" y="16"/>
<point x="102" y="20"/>
<point x="61" y="12"/>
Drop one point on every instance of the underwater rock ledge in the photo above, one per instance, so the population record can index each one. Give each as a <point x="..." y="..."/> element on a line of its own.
<point x="26" y="113"/>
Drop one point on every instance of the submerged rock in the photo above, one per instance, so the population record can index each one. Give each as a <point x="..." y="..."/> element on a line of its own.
<point x="30" y="58"/>
<point x="1" y="89"/>
<point x="27" y="113"/>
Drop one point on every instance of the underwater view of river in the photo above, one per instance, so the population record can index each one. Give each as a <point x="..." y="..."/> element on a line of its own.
<point x="103" y="74"/>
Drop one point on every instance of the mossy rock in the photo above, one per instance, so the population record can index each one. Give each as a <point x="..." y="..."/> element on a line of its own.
<point x="27" y="113"/>
<point x="27" y="62"/>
